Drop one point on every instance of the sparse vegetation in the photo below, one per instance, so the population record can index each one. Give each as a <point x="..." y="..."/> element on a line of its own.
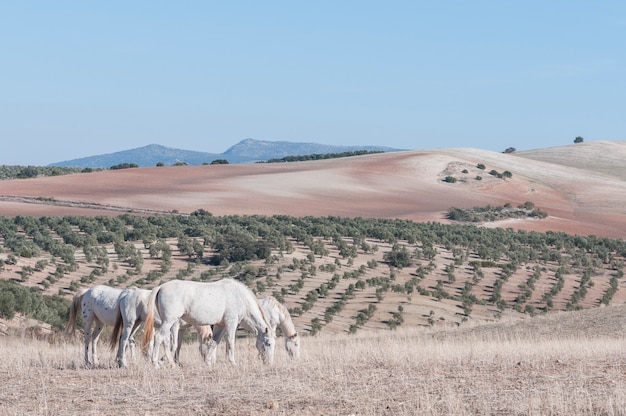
<point x="489" y="213"/>
<point x="25" y="172"/>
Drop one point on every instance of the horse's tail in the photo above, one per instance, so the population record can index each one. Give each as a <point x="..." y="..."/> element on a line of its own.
<point x="117" y="328"/>
<point x="74" y="309"/>
<point x="148" y="328"/>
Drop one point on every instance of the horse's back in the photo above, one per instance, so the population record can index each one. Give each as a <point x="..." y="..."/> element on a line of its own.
<point x="201" y="303"/>
<point x="103" y="301"/>
<point x="134" y="303"/>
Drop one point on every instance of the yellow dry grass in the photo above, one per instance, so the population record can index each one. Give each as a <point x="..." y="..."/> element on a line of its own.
<point x="539" y="366"/>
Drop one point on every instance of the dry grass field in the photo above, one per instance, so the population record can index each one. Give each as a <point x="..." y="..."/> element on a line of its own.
<point x="441" y="360"/>
<point x="563" y="364"/>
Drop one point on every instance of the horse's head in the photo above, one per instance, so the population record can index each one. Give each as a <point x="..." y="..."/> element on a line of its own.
<point x="292" y="344"/>
<point x="265" y="343"/>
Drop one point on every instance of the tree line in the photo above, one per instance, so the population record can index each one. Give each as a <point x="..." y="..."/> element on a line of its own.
<point x="321" y="156"/>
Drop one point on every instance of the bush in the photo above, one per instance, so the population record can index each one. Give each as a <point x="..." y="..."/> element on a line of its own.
<point x="239" y="246"/>
<point x="53" y="310"/>
<point x="124" y="166"/>
<point x="398" y="257"/>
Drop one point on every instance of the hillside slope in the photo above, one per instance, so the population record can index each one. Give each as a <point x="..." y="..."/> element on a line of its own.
<point x="579" y="186"/>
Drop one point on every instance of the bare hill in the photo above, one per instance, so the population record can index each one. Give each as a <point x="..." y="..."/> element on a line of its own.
<point x="580" y="186"/>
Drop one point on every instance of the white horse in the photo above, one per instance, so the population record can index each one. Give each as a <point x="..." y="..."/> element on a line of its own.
<point x="99" y="307"/>
<point x="225" y="303"/>
<point x="277" y="314"/>
<point x="132" y="313"/>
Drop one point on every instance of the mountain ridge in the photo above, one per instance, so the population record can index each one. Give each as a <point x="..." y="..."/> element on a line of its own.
<point x="246" y="151"/>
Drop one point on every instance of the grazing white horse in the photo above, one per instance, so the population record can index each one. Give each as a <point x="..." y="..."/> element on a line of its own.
<point x="99" y="306"/>
<point x="132" y="313"/>
<point x="277" y="314"/>
<point x="225" y="303"/>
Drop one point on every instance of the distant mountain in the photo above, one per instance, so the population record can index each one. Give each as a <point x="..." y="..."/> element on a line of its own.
<point x="143" y="156"/>
<point x="246" y="151"/>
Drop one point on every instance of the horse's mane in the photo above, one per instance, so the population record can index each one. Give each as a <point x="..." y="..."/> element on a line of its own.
<point x="265" y="319"/>
<point x="286" y="324"/>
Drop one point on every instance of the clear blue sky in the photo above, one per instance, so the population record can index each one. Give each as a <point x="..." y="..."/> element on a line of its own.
<point x="79" y="79"/>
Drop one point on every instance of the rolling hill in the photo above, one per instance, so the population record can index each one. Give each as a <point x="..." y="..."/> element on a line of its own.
<point x="584" y="197"/>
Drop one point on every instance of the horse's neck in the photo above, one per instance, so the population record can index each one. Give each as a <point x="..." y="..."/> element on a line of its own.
<point x="285" y="322"/>
<point x="255" y="319"/>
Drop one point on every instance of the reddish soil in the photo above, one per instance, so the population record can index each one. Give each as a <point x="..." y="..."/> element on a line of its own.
<point x="582" y="190"/>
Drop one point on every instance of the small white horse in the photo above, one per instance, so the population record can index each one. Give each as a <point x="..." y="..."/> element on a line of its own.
<point x="225" y="303"/>
<point x="99" y="306"/>
<point x="277" y="314"/>
<point x="132" y="313"/>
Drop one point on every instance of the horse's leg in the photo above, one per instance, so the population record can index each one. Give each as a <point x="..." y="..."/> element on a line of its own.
<point x="175" y="332"/>
<point x="163" y="335"/>
<point x="131" y="339"/>
<point x="155" y="344"/>
<point x="151" y="348"/>
<point x="181" y="333"/>
<point x="127" y="334"/>
<point x="95" y="336"/>
<point x="87" y="319"/>
<point x="231" y="330"/>
<point x="207" y="344"/>
<point x="211" y="356"/>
